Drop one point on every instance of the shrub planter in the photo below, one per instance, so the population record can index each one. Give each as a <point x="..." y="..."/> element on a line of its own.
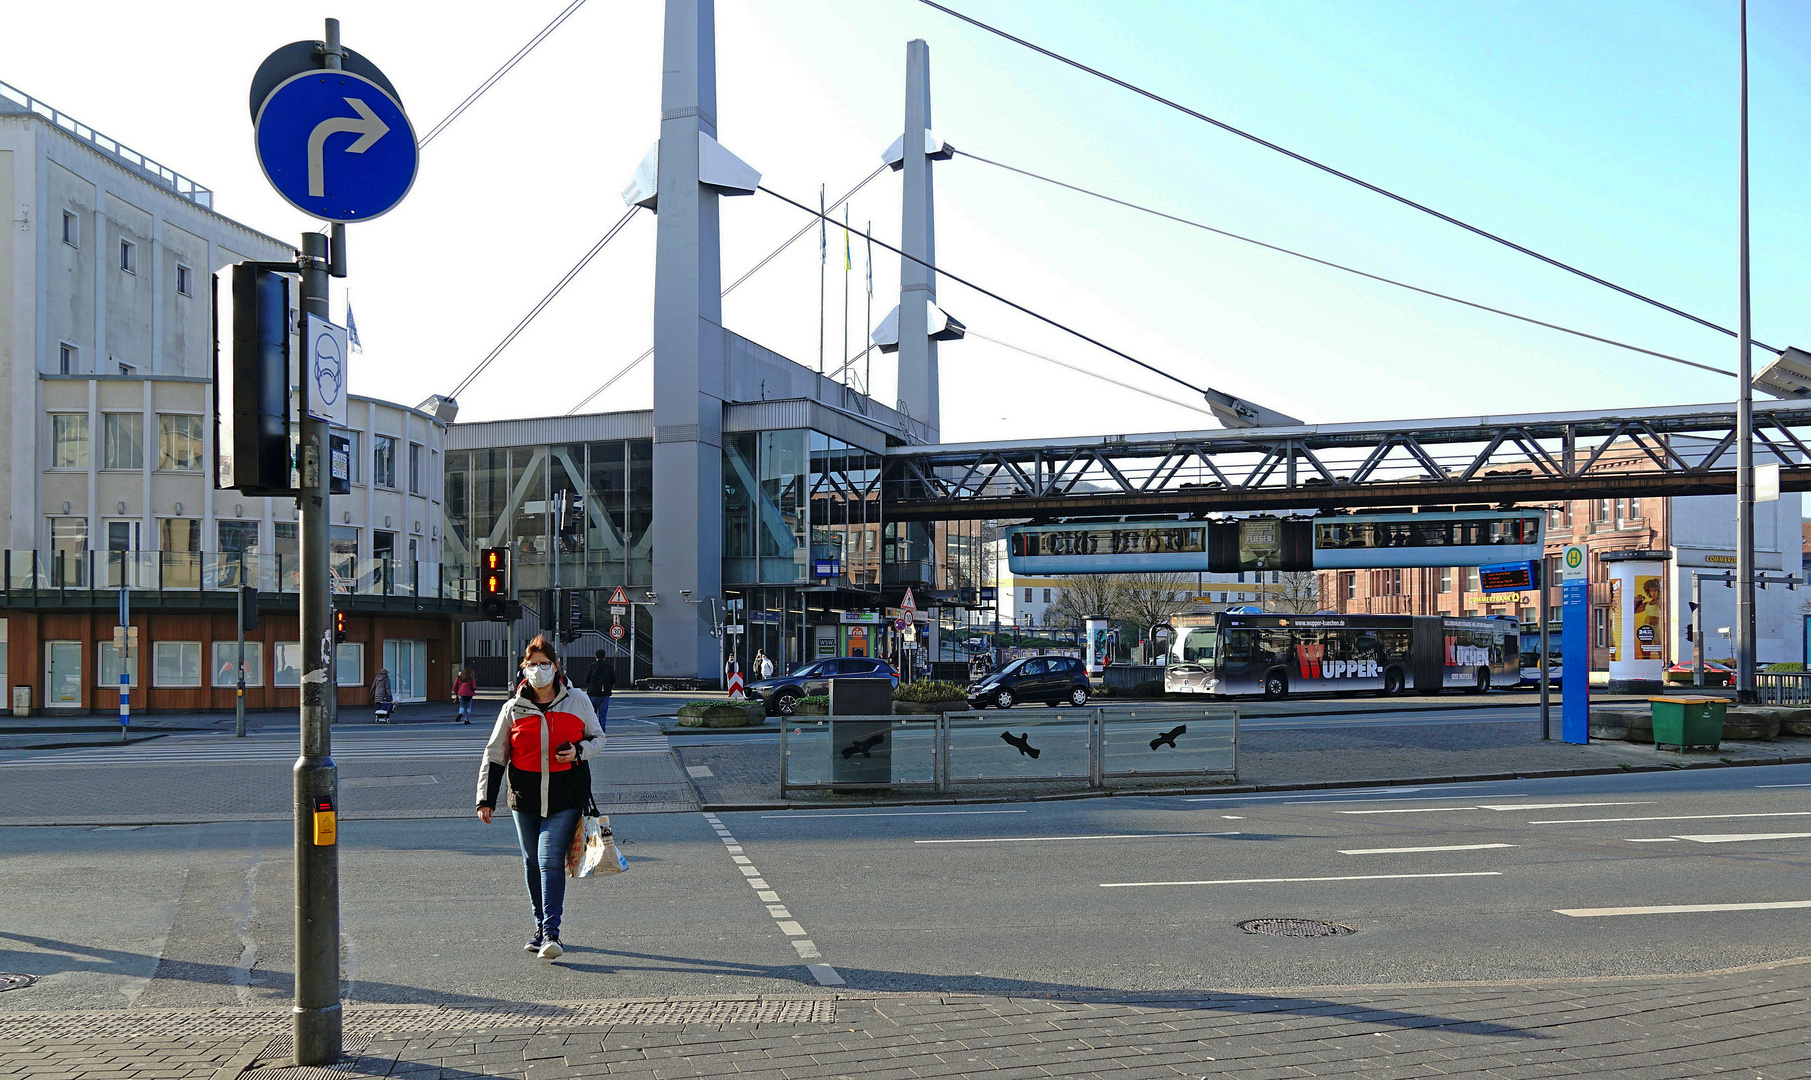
<point x="720" y="714"/>
<point x="928" y="708"/>
<point x="811" y="707"/>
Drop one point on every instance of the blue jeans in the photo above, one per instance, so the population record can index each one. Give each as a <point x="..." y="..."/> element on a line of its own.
<point x="545" y="842"/>
<point x="600" y="704"/>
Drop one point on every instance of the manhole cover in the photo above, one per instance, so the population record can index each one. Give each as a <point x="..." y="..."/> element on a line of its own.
<point x="9" y="981"/>
<point x="1294" y="927"/>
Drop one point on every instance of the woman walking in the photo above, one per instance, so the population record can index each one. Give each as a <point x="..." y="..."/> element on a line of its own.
<point x="543" y="736"/>
<point x="465" y="685"/>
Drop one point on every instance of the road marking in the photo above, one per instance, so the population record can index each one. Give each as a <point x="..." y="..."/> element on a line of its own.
<point x="790" y="928"/>
<point x="1677" y="817"/>
<point x="778" y="911"/>
<point x="387" y="781"/>
<point x="208" y="750"/>
<point x="1277" y="880"/>
<point x="1103" y="836"/>
<point x="1654" y="840"/>
<point x="783" y="920"/>
<point x="824" y="974"/>
<point x="1781" y="785"/>
<point x="699" y="772"/>
<point x="894" y="813"/>
<point x="1401" y="850"/>
<point x="1673" y="909"/>
<point x="1507" y="806"/>
<point x="807" y="950"/>
<point x="1736" y="838"/>
<point x="1304" y="795"/>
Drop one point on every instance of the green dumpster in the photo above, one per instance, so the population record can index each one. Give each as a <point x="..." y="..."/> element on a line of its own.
<point x="1687" y="723"/>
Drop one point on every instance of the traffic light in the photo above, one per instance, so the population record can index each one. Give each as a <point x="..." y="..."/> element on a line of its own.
<point x="493" y="583"/>
<point x="248" y="607"/>
<point x="255" y="453"/>
<point x="339" y="627"/>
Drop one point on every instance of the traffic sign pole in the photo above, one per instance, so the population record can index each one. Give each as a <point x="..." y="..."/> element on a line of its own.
<point x="317" y="874"/>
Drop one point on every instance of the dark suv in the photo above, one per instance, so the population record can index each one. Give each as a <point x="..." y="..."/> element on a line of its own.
<point x="778" y="695"/>
<point x="1053" y="680"/>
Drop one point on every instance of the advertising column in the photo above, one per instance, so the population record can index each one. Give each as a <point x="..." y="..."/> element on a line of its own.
<point x="1637" y="616"/>
<point x="1095" y="641"/>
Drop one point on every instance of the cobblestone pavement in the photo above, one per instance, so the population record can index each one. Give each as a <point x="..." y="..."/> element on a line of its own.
<point x="1745" y="1022"/>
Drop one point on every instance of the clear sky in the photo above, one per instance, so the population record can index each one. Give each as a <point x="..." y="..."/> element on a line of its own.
<point x="1603" y="134"/>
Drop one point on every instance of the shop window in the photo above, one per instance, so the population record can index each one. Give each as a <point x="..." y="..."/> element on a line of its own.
<point x="176" y="663"/>
<point x="107" y="666"/>
<point x="225" y="666"/>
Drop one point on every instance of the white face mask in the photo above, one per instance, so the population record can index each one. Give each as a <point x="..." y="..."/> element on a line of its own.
<point x="539" y="675"/>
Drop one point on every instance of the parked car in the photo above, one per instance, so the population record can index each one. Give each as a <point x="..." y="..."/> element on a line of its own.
<point x="780" y="694"/>
<point x="1053" y="680"/>
<point x="1715" y="674"/>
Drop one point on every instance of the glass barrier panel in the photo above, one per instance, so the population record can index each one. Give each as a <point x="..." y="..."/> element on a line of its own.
<point x="1015" y="744"/>
<point x="807" y="750"/>
<point x="181" y="570"/>
<point x="860" y="751"/>
<point x="1169" y="739"/>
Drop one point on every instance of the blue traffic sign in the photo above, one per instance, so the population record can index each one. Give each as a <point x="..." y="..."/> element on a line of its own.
<point x="336" y="146"/>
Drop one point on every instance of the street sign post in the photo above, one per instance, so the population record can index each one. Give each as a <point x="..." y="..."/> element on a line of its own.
<point x="1575" y="661"/>
<point x="332" y="138"/>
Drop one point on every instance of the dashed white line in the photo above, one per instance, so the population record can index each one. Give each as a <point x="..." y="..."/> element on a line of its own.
<point x="1673" y="909"/>
<point x="1402" y="850"/>
<point x="1103" y="836"/>
<point x="894" y="813"/>
<point x="1277" y="880"/>
<point x="1737" y="838"/>
<point x="783" y="920"/>
<point x="824" y="974"/>
<point x="1758" y="786"/>
<point x="1675" y="817"/>
<point x="1507" y="806"/>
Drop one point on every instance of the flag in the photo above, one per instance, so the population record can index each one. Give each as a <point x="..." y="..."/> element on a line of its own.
<point x="870" y="259"/>
<point x="848" y="259"/>
<point x="352" y="331"/>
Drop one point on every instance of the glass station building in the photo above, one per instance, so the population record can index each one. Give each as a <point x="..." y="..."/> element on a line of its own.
<point x="810" y="566"/>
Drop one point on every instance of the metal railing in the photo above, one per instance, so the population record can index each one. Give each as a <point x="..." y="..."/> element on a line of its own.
<point x="60" y="572"/>
<point x="1783" y="687"/>
<point x="15" y="100"/>
<point x="1085" y="747"/>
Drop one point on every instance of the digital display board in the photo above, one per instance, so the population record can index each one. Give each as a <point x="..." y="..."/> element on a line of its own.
<point x="1508" y="577"/>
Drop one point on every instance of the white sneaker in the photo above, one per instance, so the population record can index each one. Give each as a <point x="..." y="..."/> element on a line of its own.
<point x="551" y="950"/>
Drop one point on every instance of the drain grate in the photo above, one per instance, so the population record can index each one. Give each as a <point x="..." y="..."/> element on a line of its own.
<point x="1295" y="927"/>
<point x="10" y="981"/>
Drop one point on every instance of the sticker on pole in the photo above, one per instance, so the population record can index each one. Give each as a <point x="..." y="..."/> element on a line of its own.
<point x="324" y="351"/>
<point x="336" y="146"/>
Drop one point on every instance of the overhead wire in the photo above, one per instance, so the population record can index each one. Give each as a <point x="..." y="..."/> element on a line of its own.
<point x="1090" y="372"/>
<point x="989" y="293"/>
<point x="558" y="287"/>
<point x="1339" y="266"/>
<point x="771" y="256"/>
<point x="1330" y="170"/>
<point x="497" y="75"/>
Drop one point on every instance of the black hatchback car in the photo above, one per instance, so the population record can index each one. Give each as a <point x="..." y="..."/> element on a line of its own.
<point x="781" y="693"/>
<point x="1053" y="680"/>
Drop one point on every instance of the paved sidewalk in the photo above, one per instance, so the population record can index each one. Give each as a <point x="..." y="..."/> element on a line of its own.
<point x="1749" y="1022"/>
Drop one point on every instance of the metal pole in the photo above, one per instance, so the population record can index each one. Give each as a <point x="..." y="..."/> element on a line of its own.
<point x="1745" y="626"/>
<point x="823" y="266"/>
<point x="239" y="659"/>
<point x="1546" y="675"/>
<point x="317" y="877"/>
<point x="1697" y="630"/>
<point x="126" y="656"/>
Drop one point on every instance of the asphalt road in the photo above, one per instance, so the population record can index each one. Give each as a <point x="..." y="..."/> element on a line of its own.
<point x="1505" y="880"/>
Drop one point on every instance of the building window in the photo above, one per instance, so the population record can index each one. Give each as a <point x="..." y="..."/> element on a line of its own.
<point x="72" y="230"/>
<point x="1471" y="579"/>
<point x="176" y="663"/>
<point x="383" y="461"/>
<point x="1046" y="596"/>
<point x="1634" y="508"/>
<point x="178" y="442"/>
<point x="349" y="663"/>
<point x="107" y="666"/>
<point x="69" y="359"/>
<point x="123" y="440"/>
<point x="225" y="667"/>
<point x="1028" y="596"/>
<point x="183" y="287"/>
<point x="1446" y="579"/>
<point x="287" y="664"/>
<point x="342" y="552"/>
<point x="1349" y="585"/>
<point x="415" y="477"/>
<point x="1600" y="627"/>
<point x="128" y="256"/>
<point x="69" y="440"/>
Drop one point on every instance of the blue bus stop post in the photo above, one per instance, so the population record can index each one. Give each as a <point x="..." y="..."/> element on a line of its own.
<point x="124" y="655"/>
<point x="1575" y="663"/>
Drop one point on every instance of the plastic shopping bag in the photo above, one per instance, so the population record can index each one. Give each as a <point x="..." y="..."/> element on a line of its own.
<point x="601" y="853"/>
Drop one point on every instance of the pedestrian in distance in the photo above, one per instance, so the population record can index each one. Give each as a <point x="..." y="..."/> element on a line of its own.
<point x="465" y="687"/>
<point x="766" y="664"/>
<point x="600" y="682"/>
<point x="380" y="693"/>
<point x="537" y="754"/>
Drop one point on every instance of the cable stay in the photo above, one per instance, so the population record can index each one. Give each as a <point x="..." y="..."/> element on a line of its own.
<point x="496" y="76"/>
<point x="1090" y="372"/>
<point x="1331" y="171"/>
<point x="1339" y="266"/>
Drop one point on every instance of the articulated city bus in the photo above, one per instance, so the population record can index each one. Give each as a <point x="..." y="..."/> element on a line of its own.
<point x="1275" y="655"/>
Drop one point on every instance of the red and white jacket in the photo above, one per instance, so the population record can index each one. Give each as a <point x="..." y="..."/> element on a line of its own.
<point x="522" y="747"/>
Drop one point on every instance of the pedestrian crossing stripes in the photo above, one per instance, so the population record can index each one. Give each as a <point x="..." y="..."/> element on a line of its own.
<point x="211" y="750"/>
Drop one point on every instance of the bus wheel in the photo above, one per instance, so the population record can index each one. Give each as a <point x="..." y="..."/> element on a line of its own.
<point x="1276" y="685"/>
<point x="1482" y="684"/>
<point x="1392" y="682"/>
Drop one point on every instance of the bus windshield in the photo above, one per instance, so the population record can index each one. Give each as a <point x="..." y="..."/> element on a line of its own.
<point x="1195" y="645"/>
